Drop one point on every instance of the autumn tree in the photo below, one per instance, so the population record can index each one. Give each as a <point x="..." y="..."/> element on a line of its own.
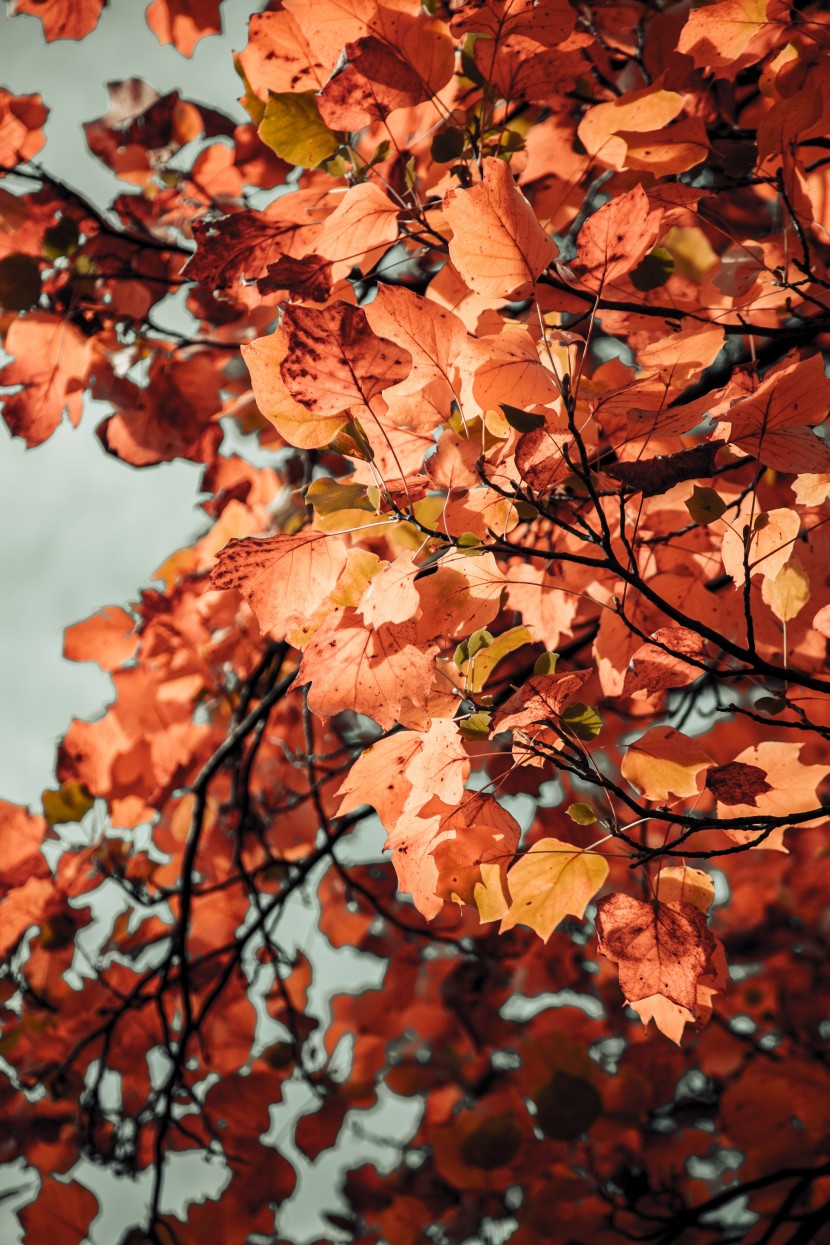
<point x="530" y="320"/>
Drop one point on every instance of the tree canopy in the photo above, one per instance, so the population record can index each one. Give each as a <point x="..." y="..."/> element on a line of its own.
<point x="512" y="662"/>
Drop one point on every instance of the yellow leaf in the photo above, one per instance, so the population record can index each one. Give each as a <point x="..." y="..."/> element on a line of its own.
<point x="682" y="884"/>
<point x="489" y="893"/>
<point x="486" y="659"/>
<point x="789" y="592"/>
<point x="70" y="803"/>
<point x="665" y="763"/>
<point x="293" y="128"/>
<point x="554" y="880"/>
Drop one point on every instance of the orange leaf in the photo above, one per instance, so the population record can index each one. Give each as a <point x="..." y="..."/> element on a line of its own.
<point x="766" y="548"/>
<point x="773" y="425"/>
<point x="663" y="763"/>
<point x="61" y="1214"/>
<point x="63" y="19"/>
<point x="279" y="58"/>
<point x="284" y="579"/>
<point x="433" y="337"/>
<point x="615" y="239"/>
<point x="718" y="35"/>
<point x="21" y="133"/>
<point x="52" y="360"/>
<point x="660" y="948"/>
<point x="184" y="22"/>
<point x="792" y="787"/>
<point x="107" y="638"/>
<point x="334" y="362"/>
<point x="377" y="672"/>
<point x="498" y="245"/>
<point x="263" y="358"/>
<point x="360" y="229"/>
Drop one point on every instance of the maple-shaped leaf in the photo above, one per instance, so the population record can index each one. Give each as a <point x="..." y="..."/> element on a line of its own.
<point x="791" y="787"/>
<point x="498" y="245"/>
<point x="664" y="762"/>
<point x="51" y="362"/>
<point x="462" y="595"/>
<point x="737" y="783"/>
<point x="335" y="363"/>
<point x="284" y="579"/>
<point x="615" y="239"/>
<point x="63" y="19"/>
<point x="236" y="248"/>
<point x="308" y="279"/>
<point x="659" y="948"/>
<point x="672" y="1019"/>
<point x="172" y="416"/>
<point x="24" y="906"/>
<point x="360" y="229"/>
<point x="21" y="127"/>
<point x="539" y="701"/>
<point x="551" y="881"/>
<point x="107" y="638"/>
<point x="774" y="424"/>
<point x="184" y="22"/>
<point x="376" y="672"/>
<point x="544" y="459"/>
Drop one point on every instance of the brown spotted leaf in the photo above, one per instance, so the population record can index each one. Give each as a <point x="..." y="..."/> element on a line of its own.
<point x="737" y="783"/>
<point x="659" y="948"/>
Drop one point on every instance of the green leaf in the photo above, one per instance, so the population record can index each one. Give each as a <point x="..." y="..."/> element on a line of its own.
<point x="476" y="726"/>
<point x="351" y="442"/>
<point x="654" y="270"/>
<point x="483" y="663"/>
<point x="582" y="721"/>
<point x="478" y="640"/>
<point x="582" y="814"/>
<point x="328" y="496"/>
<point x="293" y="128"/>
<point x="469" y="540"/>
<point x="705" y="505"/>
<point x="522" y="421"/>
<point x="546" y="664"/>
